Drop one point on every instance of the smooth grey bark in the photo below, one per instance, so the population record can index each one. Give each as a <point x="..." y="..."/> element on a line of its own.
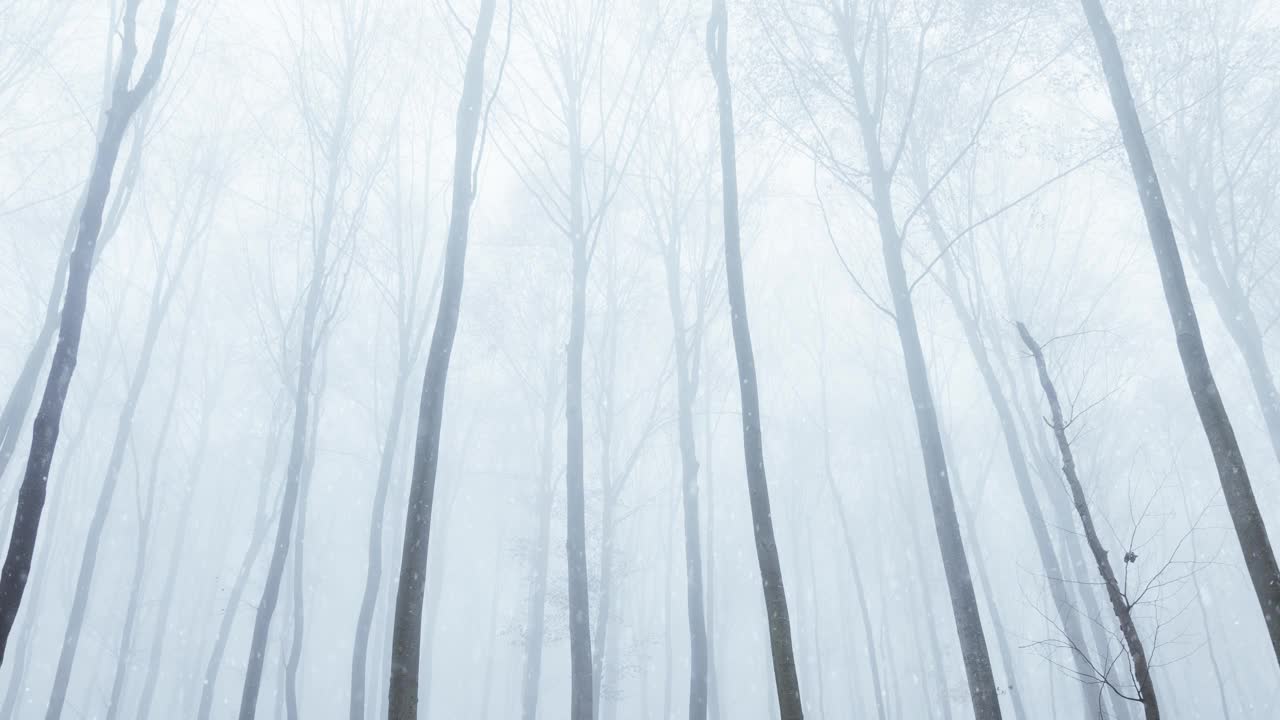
<point x="686" y="392"/>
<point x="31" y="495"/>
<point x="1250" y="528"/>
<point x="161" y="299"/>
<point x="964" y="602"/>
<point x="1120" y="603"/>
<point x="775" y="599"/>
<point x="407" y="632"/>
<point x="582" y="675"/>
<point x="1067" y="615"/>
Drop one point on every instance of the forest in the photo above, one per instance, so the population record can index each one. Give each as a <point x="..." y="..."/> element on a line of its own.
<point x="634" y="359"/>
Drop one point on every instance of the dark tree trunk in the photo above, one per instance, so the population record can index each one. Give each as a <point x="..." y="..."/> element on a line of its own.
<point x="406" y="644"/>
<point x="161" y="298"/>
<point x="775" y="598"/>
<point x="14" y="414"/>
<point x="17" y="680"/>
<point x="1259" y="557"/>
<point x="31" y="495"/>
<point x="1119" y="601"/>
<point x="964" y="602"/>
<point x="1067" y="615"/>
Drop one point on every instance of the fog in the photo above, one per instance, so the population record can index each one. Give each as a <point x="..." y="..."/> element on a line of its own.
<point x="655" y="359"/>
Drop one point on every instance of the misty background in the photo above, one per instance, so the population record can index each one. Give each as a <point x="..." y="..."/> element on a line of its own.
<point x="296" y="159"/>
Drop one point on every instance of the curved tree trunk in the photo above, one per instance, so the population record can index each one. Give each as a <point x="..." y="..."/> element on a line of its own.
<point x="161" y="299"/>
<point x="31" y="495"/>
<point x="373" y="573"/>
<point x="407" y="633"/>
<point x="775" y="597"/>
<point x="1250" y="528"/>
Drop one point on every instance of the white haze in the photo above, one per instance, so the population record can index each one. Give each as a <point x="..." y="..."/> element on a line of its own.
<point x="1011" y="117"/>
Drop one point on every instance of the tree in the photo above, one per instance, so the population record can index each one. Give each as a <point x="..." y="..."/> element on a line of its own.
<point x="125" y="101"/>
<point x="407" y="633"/>
<point x="1121" y="605"/>
<point x="1251" y="530"/>
<point x="190" y="220"/>
<point x="669" y="197"/>
<point x="597" y="124"/>
<point x="1213" y="118"/>
<point x="403" y="296"/>
<point x="330" y="141"/>
<point x="775" y="598"/>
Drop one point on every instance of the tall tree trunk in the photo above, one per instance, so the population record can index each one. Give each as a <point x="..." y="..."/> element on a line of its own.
<point x="925" y="597"/>
<point x="1229" y="298"/>
<point x="161" y="298"/>
<point x="775" y="598"/>
<point x="1002" y="637"/>
<point x="373" y="573"/>
<point x="1250" y="529"/>
<point x="17" y="682"/>
<point x="582" y="675"/>
<point x="311" y="339"/>
<point x="18" y="404"/>
<point x="1067" y="615"/>
<point x="297" y="615"/>
<point x="407" y="633"/>
<point x="964" y="602"/>
<point x="31" y="495"/>
<point x="1119" y="601"/>
<point x="686" y="386"/>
